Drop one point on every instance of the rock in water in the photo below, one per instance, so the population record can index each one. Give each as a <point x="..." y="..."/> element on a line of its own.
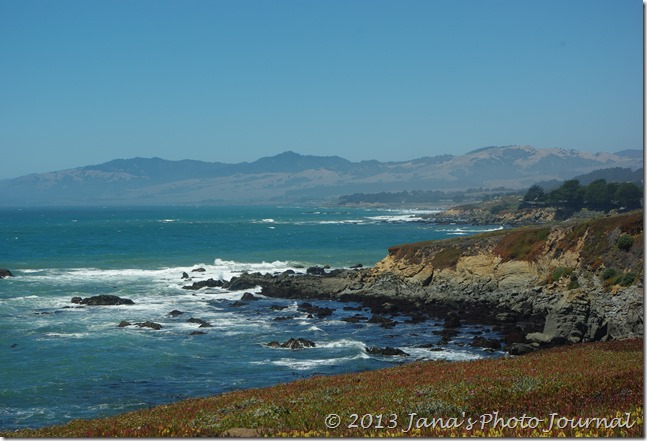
<point x="5" y="273"/>
<point x="202" y="323"/>
<point x="209" y="283"/>
<point x="293" y="343"/>
<point x="149" y="324"/>
<point x="103" y="300"/>
<point x="387" y="351"/>
<point x="452" y="320"/>
<point x="248" y="297"/>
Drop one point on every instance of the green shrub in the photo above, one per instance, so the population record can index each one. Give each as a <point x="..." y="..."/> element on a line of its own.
<point x="609" y="273"/>
<point x="574" y="284"/>
<point x="626" y="279"/>
<point x="625" y="242"/>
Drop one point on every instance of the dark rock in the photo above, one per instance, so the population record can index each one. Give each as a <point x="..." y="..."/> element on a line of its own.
<point x="382" y="321"/>
<point x="387" y="351"/>
<point x="202" y="323"/>
<point x="288" y="272"/>
<point x="482" y="342"/>
<point x="520" y="348"/>
<point x="353" y="308"/>
<point x="104" y="300"/>
<point x="175" y="313"/>
<point x="5" y="273"/>
<point x="238" y="303"/>
<point x="209" y="283"/>
<point x="452" y="320"/>
<point x="319" y="311"/>
<point x="507" y="317"/>
<point x="355" y="319"/>
<point x="124" y="323"/>
<point x="293" y="343"/>
<point x="185" y="275"/>
<point x="316" y="271"/>
<point x="283" y="318"/>
<point x="245" y="281"/>
<point x="446" y="335"/>
<point x="76" y="300"/>
<point x="149" y="324"/>
<point x="248" y="297"/>
<point x="298" y="343"/>
<point x="335" y="273"/>
<point x="416" y="318"/>
<point x="358" y="266"/>
<point x="197" y="333"/>
<point x="198" y="270"/>
<point x="426" y="345"/>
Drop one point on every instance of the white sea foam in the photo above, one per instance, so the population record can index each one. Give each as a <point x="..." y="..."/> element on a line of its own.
<point x="306" y="365"/>
<point x="343" y="343"/>
<point x="400" y="218"/>
<point x="342" y="222"/>
<point x="446" y="354"/>
<point x="20" y="298"/>
<point x="463" y="231"/>
<point x="67" y="334"/>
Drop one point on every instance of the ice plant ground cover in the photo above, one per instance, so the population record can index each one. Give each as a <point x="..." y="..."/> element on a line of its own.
<point x="593" y="389"/>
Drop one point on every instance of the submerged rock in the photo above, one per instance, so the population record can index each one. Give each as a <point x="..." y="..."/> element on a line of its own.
<point x="149" y="324"/>
<point x="5" y="273"/>
<point x="197" y="333"/>
<point x="202" y="323"/>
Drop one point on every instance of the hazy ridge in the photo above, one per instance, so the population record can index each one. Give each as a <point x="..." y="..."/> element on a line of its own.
<point x="290" y="177"/>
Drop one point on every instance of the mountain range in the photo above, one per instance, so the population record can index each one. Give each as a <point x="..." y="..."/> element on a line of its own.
<point x="293" y="178"/>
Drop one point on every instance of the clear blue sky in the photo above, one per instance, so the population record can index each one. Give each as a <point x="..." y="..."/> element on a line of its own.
<point x="86" y="81"/>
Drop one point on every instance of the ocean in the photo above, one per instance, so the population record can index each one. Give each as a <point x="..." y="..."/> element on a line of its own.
<point x="60" y="362"/>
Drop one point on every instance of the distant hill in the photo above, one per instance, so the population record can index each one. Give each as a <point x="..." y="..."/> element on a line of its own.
<point x="291" y="177"/>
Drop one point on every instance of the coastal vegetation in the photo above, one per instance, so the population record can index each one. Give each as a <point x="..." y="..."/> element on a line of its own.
<point x="599" y="195"/>
<point x="593" y="389"/>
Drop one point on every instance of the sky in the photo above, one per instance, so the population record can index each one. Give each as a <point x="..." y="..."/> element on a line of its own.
<point x="86" y="81"/>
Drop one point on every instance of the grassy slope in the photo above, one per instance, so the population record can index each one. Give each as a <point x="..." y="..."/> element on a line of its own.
<point x="588" y="380"/>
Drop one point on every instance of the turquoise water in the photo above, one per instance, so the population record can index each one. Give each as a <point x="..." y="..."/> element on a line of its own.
<point x="59" y="362"/>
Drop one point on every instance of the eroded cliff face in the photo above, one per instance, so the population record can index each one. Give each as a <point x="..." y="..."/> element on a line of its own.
<point x="585" y="278"/>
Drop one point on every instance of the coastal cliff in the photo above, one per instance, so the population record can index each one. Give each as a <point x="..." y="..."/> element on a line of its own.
<point x="584" y="277"/>
<point x="569" y="282"/>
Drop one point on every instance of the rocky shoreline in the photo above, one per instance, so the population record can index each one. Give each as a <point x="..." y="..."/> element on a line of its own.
<point x="538" y="287"/>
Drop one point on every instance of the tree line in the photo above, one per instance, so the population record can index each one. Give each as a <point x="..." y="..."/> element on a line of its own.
<point x="599" y="195"/>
